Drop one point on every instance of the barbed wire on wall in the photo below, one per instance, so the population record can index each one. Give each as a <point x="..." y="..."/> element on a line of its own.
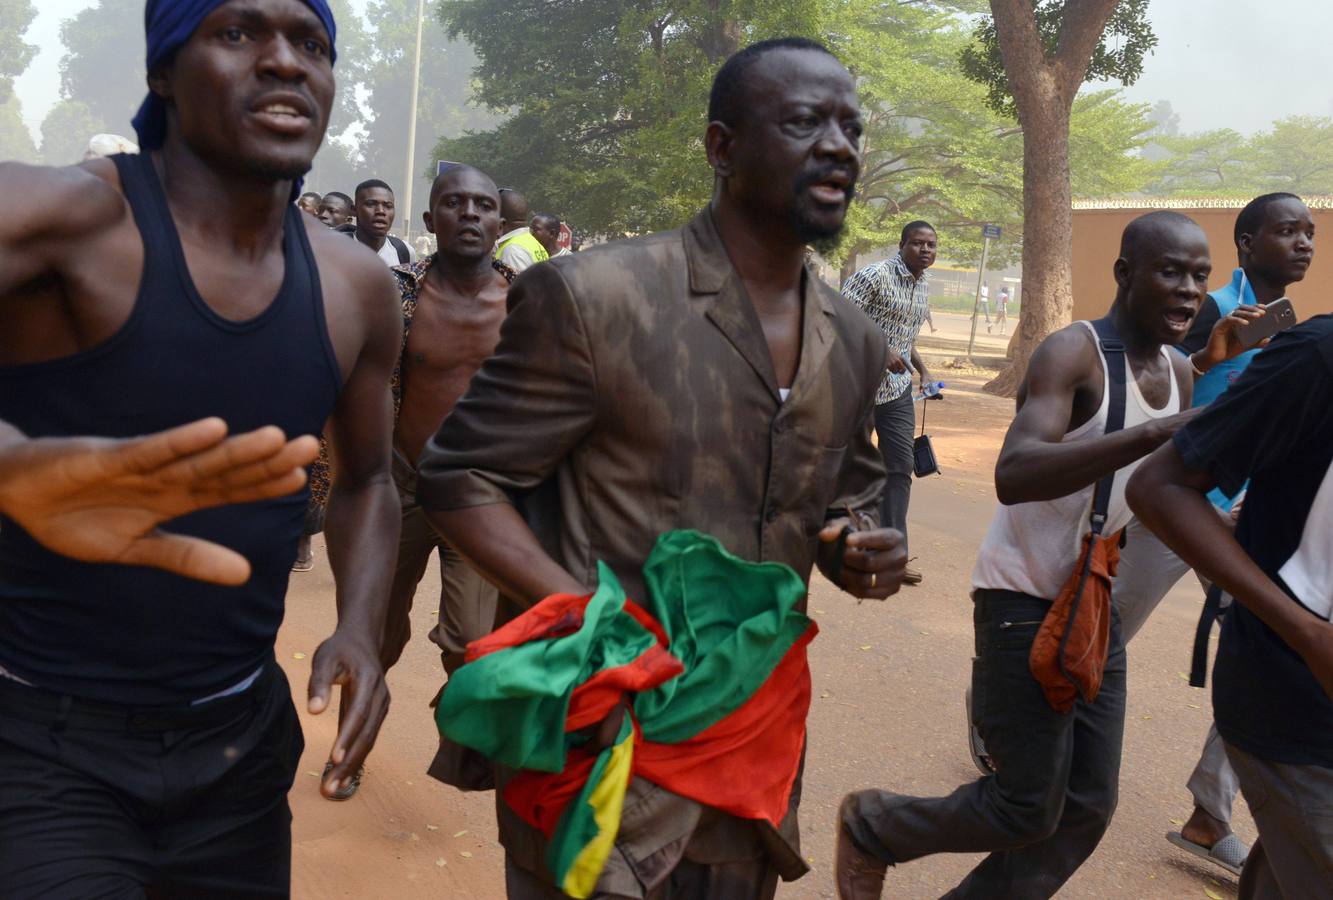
<point x="1315" y="202"/>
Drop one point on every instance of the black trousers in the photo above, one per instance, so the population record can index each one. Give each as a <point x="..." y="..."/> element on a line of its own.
<point x="1046" y="810"/>
<point x="895" y="425"/>
<point x="114" y="802"/>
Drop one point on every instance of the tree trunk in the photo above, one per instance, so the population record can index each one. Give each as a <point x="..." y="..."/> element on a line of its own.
<point x="847" y="270"/>
<point x="1048" y="247"/>
<point x="1043" y="88"/>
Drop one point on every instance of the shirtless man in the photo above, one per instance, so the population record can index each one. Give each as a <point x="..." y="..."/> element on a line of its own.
<point x="453" y="303"/>
<point x="147" y="736"/>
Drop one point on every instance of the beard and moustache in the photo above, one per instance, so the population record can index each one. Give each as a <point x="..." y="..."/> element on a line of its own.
<point x="822" y="238"/>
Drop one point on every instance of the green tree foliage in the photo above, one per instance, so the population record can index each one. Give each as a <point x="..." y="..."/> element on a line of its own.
<point x="1295" y="155"/>
<point x="336" y="165"/>
<point x="935" y="150"/>
<point x="66" y="130"/>
<point x="103" y="65"/>
<point x="443" y="107"/>
<point x="609" y="99"/>
<point x="614" y="143"/>
<point x="1118" y="56"/>
<point x="1209" y="163"/>
<point x="15" y="53"/>
<point x="15" y="139"/>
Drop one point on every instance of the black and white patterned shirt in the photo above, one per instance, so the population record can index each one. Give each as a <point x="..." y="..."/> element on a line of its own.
<point x="898" y="303"/>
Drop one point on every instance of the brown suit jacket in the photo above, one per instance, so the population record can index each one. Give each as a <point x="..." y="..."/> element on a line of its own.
<point x="632" y="393"/>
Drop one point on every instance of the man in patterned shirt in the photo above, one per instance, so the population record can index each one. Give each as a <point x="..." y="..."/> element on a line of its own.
<point x="453" y="304"/>
<point x="895" y="295"/>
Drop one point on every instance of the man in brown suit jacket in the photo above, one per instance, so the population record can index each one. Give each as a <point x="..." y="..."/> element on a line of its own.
<point x="700" y="378"/>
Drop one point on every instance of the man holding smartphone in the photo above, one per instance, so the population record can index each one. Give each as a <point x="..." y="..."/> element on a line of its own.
<point x="1274" y="237"/>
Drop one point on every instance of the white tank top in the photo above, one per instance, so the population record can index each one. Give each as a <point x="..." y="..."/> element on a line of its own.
<point x="1032" y="547"/>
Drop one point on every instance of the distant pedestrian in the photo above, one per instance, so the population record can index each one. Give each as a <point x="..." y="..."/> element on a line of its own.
<point x="517" y="247"/>
<point x="546" y="229"/>
<point x="895" y="294"/>
<point x="1002" y="309"/>
<point x="309" y="203"/>
<point x="375" y="213"/>
<point x="335" y="210"/>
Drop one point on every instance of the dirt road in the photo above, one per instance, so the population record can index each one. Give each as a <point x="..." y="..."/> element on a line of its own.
<point x="888" y="688"/>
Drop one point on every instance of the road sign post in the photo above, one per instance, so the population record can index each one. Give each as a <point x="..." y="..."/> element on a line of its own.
<point x="987" y="233"/>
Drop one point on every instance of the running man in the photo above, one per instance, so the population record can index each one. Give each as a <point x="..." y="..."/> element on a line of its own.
<point x="700" y="378"/>
<point x="1046" y="808"/>
<point x="147" y="736"/>
<point x="453" y="302"/>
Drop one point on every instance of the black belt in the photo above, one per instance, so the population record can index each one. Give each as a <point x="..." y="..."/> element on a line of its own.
<point x="60" y="711"/>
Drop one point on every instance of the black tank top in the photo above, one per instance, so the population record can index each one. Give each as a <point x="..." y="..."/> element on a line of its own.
<point x="139" y="636"/>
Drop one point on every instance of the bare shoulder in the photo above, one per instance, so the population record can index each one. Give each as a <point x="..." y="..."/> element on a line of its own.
<point x="61" y="202"/>
<point x="1066" y="360"/>
<point x="1069" y="352"/>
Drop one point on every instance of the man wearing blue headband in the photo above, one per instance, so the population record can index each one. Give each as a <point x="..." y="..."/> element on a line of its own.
<point x="152" y="304"/>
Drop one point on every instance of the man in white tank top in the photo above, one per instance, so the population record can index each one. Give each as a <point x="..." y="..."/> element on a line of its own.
<point x="1046" y="809"/>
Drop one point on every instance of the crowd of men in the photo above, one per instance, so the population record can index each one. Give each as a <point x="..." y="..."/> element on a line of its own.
<point x="178" y="331"/>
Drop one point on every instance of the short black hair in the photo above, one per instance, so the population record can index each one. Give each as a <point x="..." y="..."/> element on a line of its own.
<point x="452" y="169"/>
<point x="309" y="194"/>
<point x="1251" y="218"/>
<point x="338" y="195"/>
<point x="370" y="183"/>
<point x="727" y="98"/>
<point x="546" y="219"/>
<point x="913" y="226"/>
<point x="1150" y="226"/>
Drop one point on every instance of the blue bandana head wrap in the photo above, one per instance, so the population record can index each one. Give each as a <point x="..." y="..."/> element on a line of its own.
<point x="168" y="25"/>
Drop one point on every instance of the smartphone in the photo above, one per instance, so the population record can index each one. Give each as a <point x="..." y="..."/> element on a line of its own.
<point x="1278" y="316"/>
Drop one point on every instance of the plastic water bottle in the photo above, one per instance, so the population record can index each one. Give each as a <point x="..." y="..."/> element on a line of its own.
<point x="929" y="391"/>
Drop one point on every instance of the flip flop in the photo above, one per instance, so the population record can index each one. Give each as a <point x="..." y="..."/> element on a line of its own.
<point x="304" y="565"/>
<point x="1229" y="853"/>
<point x="353" y="783"/>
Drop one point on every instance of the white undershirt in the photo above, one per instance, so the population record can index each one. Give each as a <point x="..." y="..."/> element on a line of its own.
<point x="1308" y="573"/>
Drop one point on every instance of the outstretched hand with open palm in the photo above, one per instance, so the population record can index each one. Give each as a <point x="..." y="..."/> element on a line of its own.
<point x="102" y="499"/>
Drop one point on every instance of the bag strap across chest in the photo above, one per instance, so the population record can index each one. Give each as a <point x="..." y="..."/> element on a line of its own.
<point x="1113" y="354"/>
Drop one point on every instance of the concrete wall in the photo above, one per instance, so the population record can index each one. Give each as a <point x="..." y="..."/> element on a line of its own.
<point x="1097" y="241"/>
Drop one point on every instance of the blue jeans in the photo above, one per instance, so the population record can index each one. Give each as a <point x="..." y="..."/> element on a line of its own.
<point x="1046" y="810"/>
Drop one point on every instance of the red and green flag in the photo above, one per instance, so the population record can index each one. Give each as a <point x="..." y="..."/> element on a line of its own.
<point x="713" y="670"/>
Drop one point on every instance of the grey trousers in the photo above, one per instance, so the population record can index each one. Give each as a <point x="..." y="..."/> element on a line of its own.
<point x="1047" y="808"/>
<point x="1293" y="807"/>
<point x="746" y="880"/>
<point x="467" y="601"/>
<point x="1148" y="569"/>
<point x="895" y="423"/>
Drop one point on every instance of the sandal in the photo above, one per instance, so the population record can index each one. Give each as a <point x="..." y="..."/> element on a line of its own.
<point x="1229" y="852"/>
<point x="349" y="790"/>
